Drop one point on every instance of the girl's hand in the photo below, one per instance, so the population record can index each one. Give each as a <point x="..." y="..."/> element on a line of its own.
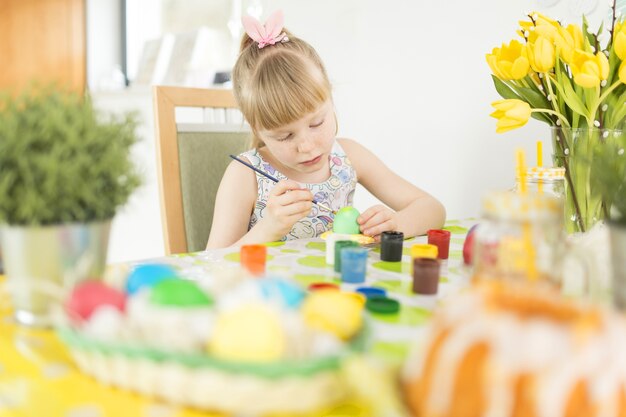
<point x="287" y="203"/>
<point x="377" y="219"/>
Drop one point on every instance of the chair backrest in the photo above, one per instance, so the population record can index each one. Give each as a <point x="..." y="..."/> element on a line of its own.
<point x="192" y="158"/>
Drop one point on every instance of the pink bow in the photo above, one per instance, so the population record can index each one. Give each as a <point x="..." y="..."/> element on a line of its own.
<point x="267" y="34"/>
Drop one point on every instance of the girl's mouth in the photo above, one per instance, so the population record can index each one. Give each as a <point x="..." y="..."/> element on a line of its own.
<point x="312" y="161"/>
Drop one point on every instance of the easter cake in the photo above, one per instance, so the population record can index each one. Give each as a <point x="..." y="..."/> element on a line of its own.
<point x="254" y="346"/>
<point x="503" y="350"/>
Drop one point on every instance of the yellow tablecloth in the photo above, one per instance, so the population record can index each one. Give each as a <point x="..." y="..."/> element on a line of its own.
<point x="38" y="377"/>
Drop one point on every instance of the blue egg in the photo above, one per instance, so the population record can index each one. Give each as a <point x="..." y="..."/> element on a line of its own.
<point x="279" y="289"/>
<point x="147" y="275"/>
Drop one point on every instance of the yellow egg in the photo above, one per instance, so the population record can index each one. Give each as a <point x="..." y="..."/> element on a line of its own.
<point x="334" y="311"/>
<point x="252" y="333"/>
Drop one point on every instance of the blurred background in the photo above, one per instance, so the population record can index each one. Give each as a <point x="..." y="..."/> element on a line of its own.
<point x="410" y="79"/>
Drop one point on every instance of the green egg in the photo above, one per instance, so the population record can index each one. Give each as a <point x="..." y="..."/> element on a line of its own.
<point x="345" y="221"/>
<point x="179" y="293"/>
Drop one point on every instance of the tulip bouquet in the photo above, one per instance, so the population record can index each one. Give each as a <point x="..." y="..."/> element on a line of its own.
<point x="574" y="80"/>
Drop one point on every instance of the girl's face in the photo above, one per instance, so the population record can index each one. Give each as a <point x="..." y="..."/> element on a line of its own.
<point x="304" y="145"/>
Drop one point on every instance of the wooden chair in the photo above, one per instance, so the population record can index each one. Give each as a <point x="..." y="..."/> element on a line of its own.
<point x="192" y="158"/>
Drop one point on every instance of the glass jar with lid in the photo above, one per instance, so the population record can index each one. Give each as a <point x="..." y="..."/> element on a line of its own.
<point x="549" y="180"/>
<point x="520" y="238"/>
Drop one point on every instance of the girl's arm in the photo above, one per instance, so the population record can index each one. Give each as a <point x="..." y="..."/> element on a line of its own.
<point x="234" y="204"/>
<point x="413" y="211"/>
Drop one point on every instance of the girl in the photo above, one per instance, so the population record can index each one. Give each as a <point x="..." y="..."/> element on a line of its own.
<point x="284" y="93"/>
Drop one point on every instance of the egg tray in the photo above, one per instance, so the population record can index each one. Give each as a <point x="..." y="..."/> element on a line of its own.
<point x="209" y="383"/>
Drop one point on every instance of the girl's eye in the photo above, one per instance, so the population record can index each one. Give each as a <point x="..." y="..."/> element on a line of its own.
<point x="317" y="124"/>
<point x="284" y="138"/>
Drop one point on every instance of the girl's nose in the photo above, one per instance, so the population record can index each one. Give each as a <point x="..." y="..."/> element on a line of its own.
<point x="305" y="144"/>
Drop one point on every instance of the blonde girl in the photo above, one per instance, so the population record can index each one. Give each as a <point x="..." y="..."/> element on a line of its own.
<point x="283" y="91"/>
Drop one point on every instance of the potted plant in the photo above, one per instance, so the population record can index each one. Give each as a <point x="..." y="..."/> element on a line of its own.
<point x="64" y="171"/>
<point x="608" y="169"/>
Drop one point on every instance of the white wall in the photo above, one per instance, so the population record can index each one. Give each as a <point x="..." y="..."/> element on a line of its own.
<point x="104" y="34"/>
<point x="411" y="84"/>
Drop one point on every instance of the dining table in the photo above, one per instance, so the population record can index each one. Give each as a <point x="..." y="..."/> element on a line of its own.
<point x="38" y="376"/>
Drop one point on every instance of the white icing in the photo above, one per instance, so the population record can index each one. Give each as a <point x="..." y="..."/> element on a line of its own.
<point x="557" y="354"/>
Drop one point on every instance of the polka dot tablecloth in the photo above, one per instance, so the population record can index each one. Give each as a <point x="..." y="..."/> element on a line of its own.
<point x="38" y="377"/>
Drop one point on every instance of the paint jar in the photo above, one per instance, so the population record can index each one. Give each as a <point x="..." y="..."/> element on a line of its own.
<point x="253" y="258"/>
<point x="425" y="276"/>
<point x="441" y="239"/>
<point x="339" y="246"/>
<point x="391" y="246"/>
<point x="319" y="286"/>
<point x="330" y="245"/>
<point x="382" y="305"/>
<point x="424" y="250"/>
<point x="353" y="265"/>
<point x="372" y="291"/>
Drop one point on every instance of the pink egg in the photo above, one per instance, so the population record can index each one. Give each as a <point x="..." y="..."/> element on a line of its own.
<point x="89" y="295"/>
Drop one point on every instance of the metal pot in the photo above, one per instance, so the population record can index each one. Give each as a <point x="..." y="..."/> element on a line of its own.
<point x="42" y="263"/>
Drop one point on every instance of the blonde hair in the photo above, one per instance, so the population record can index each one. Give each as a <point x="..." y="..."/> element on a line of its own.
<point x="278" y="84"/>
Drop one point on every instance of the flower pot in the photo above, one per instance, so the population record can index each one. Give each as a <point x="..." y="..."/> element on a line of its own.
<point x="617" y="233"/>
<point x="574" y="150"/>
<point x="41" y="262"/>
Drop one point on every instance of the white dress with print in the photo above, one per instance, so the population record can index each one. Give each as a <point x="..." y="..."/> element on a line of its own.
<point x="336" y="192"/>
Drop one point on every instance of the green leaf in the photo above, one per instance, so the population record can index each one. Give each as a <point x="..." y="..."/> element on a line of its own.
<point x="608" y="169"/>
<point x="618" y="115"/>
<point x="507" y="91"/>
<point x="504" y="90"/>
<point x="588" y="37"/>
<point x="534" y="97"/>
<point x="61" y="161"/>
<point x="571" y="98"/>
<point x="614" y="63"/>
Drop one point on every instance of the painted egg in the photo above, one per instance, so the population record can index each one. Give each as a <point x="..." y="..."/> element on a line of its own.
<point x="89" y="295"/>
<point x="336" y="312"/>
<point x="286" y="293"/>
<point x="468" y="246"/>
<point x="175" y="292"/>
<point x="252" y="333"/>
<point x="147" y="275"/>
<point x="345" y="221"/>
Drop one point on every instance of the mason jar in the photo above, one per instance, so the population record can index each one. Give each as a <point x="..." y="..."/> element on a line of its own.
<point x="548" y="180"/>
<point x="520" y="238"/>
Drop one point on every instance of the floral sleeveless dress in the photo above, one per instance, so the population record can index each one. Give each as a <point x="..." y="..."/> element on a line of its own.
<point x="336" y="192"/>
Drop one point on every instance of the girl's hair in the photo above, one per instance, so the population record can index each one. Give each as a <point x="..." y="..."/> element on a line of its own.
<point x="278" y="84"/>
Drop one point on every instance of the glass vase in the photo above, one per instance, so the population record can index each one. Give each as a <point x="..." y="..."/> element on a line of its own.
<point x="573" y="150"/>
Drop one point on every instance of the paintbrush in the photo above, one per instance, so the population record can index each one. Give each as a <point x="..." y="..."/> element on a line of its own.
<point x="266" y="175"/>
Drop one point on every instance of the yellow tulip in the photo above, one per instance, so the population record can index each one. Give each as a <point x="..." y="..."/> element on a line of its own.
<point x="511" y="114"/>
<point x="541" y="54"/>
<point x="588" y="69"/>
<point x="568" y="40"/>
<point x="619" y="42"/>
<point x="509" y="62"/>
<point x="542" y="26"/>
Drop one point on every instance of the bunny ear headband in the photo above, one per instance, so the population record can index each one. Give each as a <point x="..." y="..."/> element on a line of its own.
<point x="267" y="34"/>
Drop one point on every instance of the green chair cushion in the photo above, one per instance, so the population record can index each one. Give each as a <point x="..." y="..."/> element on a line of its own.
<point x="203" y="159"/>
